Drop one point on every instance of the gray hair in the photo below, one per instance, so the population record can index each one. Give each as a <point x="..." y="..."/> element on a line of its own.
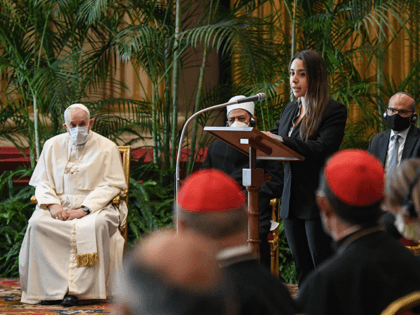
<point x="215" y="225"/>
<point x="397" y="183"/>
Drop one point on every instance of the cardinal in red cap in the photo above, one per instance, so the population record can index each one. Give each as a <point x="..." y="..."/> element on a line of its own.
<point x="370" y="268"/>
<point x="212" y="204"/>
<point x="352" y="186"/>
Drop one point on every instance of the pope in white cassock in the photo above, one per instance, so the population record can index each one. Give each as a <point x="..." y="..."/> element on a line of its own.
<point x="73" y="248"/>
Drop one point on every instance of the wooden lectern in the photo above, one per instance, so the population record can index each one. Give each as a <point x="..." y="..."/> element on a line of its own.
<point x="257" y="146"/>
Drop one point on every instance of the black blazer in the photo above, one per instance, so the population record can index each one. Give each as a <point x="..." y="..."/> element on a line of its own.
<point x="301" y="178"/>
<point x="378" y="145"/>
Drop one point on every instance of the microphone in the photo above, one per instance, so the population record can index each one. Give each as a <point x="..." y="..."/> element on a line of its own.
<point x="255" y="98"/>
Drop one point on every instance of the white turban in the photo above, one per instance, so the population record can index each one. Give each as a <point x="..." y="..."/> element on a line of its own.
<point x="248" y="106"/>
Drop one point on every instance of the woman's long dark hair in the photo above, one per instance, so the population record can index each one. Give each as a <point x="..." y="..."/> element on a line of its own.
<point x="316" y="74"/>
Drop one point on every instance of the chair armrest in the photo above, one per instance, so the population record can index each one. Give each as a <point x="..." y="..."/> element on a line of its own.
<point x="415" y="249"/>
<point x="117" y="199"/>
<point x="33" y="199"/>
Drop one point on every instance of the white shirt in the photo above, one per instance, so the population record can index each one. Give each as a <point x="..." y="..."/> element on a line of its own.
<point x="401" y="142"/>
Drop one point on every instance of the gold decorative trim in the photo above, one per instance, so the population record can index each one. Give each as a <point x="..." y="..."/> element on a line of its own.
<point x="415" y="249"/>
<point x="274" y="242"/>
<point x="85" y="260"/>
<point x="403" y="305"/>
<point x="126" y="160"/>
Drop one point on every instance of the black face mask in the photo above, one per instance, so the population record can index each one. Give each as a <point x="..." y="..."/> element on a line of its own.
<point x="397" y="122"/>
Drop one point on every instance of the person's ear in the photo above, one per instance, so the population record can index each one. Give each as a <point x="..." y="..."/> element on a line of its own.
<point x="182" y="227"/>
<point x="90" y="123"/>
<point x="65" y="127"/>
<point x="414" y="118"/>
<point x="324" y="205"/>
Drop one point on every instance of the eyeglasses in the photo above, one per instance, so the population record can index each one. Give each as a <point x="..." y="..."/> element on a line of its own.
<point x="402" y="112"/>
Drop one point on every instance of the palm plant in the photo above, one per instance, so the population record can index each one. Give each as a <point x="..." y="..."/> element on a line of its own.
<point x="351" y="36"/>
<point x="149" y="41"/>
<point x="52" y="56"/>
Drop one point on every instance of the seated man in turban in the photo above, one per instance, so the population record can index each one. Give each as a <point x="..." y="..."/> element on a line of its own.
<point x="370" y="269"/>
<point x="72" y="246"/>
<point x="222" y="156"/>
<point x="212" y="205"/>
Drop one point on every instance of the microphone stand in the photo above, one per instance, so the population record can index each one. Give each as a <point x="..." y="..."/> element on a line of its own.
<point x="258" y="97"/>
<point x="181" y="140"/>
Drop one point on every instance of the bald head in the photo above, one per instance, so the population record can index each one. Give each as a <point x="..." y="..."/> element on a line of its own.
<point x="171" y="274"/>
<point x="402" y="100"/>
<point x="183" y="260"/>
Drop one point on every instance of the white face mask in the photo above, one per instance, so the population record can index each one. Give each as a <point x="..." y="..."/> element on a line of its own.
<point x="410" y="230"/>
<point x="239" y="124"/>
<point x="79" y="134"/>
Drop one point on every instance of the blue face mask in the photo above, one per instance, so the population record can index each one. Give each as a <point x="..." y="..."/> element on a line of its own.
<point x="79" y="134"/>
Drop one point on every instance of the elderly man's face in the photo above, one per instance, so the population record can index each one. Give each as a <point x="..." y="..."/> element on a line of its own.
<point x="79" y="118"/>
<point x="401" y="104"/>
<point x="239" y="114"/>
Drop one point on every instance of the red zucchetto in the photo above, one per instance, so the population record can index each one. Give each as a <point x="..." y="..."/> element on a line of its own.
<point x="355" y="177"/>
<point x="210" y="190"/>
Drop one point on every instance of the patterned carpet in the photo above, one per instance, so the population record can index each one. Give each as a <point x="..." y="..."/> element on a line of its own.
<point x="10" y="304"/>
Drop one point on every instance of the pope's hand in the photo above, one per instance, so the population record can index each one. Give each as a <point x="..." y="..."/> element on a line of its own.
<point x="57" y="212"/>
<point x="268" y="133"/>
<point x="75" y="214"/>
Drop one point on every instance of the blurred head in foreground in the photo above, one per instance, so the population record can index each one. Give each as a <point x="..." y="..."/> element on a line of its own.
<point x="171" y="274"/>
<point x="350" y="192"/>
<point x="403" y="197"/>
<point x="211" y="203"/>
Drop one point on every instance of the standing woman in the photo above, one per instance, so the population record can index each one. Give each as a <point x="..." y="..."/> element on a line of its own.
<point x="312" y="125"/>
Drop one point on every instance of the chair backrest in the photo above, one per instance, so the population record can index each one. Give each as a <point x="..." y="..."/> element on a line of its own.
<point x="404" y="305"/>
<point x="273" y="238"/>
<point x="126" y="159"/>
<point x="125" y="151"/>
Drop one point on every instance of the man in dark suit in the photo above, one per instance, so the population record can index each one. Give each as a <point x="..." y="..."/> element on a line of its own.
<point x="400" y="142"/>
<point x="370" y="269"/>
<point x="400" y="116"/>
<point x="212" y="204"/>
<point x="222" y="156"/>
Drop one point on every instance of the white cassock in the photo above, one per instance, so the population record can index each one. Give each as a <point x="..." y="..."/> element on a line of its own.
<point x="74" y="175"/>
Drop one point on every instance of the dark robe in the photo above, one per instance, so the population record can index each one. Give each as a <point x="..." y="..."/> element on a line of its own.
<point x="362" y="278"/>
<point x="259" y="292"/>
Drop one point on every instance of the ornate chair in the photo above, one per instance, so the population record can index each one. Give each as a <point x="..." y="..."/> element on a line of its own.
<point x="125" y="152"/>
<point x="414" y="248"/>
<point x="405" y="305"/>
<point x="273" y="238"/>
